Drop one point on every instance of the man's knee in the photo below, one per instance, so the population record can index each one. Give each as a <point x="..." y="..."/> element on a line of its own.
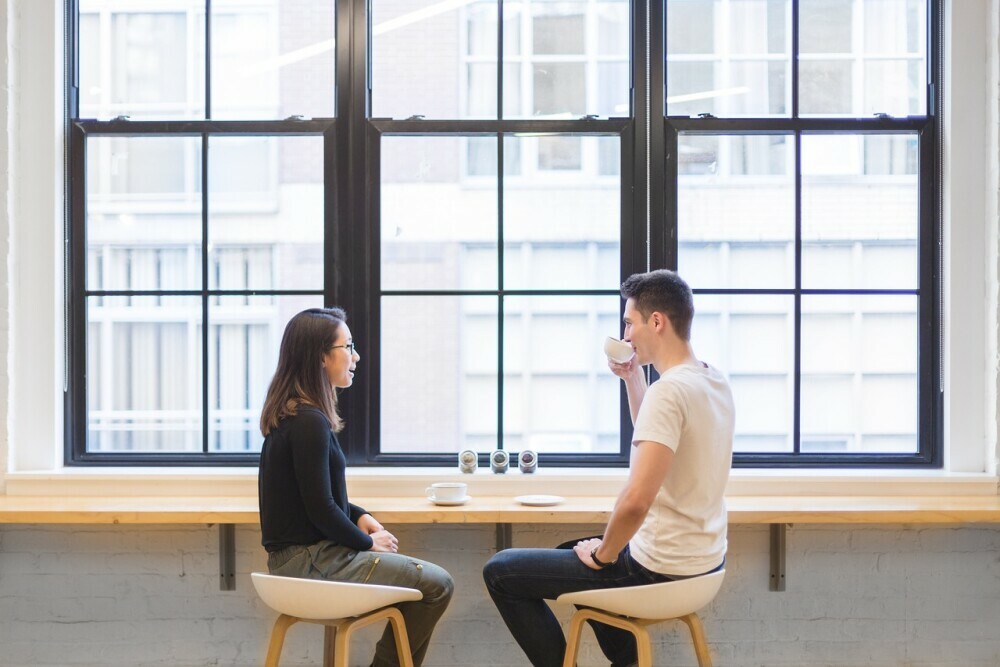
<point x="502" y="562"/>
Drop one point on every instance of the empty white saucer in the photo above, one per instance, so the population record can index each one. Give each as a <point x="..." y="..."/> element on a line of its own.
<point x="450" y="501"/>
<point x="540" y="500"/>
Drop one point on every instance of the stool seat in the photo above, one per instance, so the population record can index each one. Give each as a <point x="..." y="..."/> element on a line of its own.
<point x="315" y="599"/>
<point x="670" y="599"/>
<point x="340" y="606"/>
<point x="633" y="608"/>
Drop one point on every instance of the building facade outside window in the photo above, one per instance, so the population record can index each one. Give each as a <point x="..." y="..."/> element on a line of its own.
<point x="474" y="191"/>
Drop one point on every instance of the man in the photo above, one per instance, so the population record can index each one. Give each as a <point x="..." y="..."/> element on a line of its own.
<point x="669" y="521"/>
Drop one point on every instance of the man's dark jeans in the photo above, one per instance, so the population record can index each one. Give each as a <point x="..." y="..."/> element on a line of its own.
<point x="519" y="580"/>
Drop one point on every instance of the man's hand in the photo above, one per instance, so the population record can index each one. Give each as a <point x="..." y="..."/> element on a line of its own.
<point x="383" y="540"/>
<point x="625" y="370"/>
<point x="583" y="549"/>
<point x="367" y="523"/>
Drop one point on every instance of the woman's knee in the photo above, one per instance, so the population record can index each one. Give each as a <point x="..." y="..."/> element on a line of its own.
<point x="436" y="584"/>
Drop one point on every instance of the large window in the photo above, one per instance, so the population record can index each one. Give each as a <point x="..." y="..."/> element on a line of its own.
<point x="800" y="182"/>
<point x="472" y="180"/>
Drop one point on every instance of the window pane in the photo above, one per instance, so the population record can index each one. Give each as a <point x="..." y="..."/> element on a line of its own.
<point x="859" y="374"/>
<point x="758" y="88"/>
<point x="728" y="59"/>
<point x="612" y="89"/>
<point x="613" y="28"/>
<point x="481" y="87"/>
<point x="430" y="216"/>
<point x="481" y="29"/>
<point x="736" y="211"/>
<point x="691" y="88"/>
<point x="143" y="65"/>
<point x="560" y="154"/>
<point x="91" y="87"/>
<point x="691" y="26"/>
<point x="272" y="59"/>
<point x="758" y="26"/>
<point x="559" y="89"/>
<point x="553" y="235"/>
<point x="481" y="69"/>
<point x="859" y="211"/>
<point x="146" y="355"/>
<point x="825" y="87"/>
<point x="895" y="26"/>
<point x="438" y="379"/>
<point x="144" y="213"/>
<point x="825" y="26"/>
<point x="418" y="57"/>
<point x="243" y="340"/>
<point x="750" y="339"/>
<point x="895" y="87"/>
<point x="566" y="59"/>
<point x="558" y="28"/>
<point x="265" y="223"/>
<point x="882" y="42"/>
<point x="559" y="395"/>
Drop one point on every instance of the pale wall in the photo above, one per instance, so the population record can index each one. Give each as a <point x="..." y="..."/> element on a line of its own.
<point x="149" y="595"/>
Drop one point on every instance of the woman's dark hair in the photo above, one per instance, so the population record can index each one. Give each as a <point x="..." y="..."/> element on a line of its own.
<point x="300" y="377"/>
<point x="664" y="292"/>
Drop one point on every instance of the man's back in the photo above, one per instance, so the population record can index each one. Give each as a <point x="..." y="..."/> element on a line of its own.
<point x="690" y="410"/>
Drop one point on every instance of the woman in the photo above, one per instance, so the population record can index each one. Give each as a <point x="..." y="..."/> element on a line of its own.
<point x="308" y="527"/>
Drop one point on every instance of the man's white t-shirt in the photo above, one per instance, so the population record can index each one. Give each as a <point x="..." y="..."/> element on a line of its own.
<point x="690" y="410"/>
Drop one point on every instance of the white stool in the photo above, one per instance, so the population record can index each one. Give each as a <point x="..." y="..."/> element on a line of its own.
<point x="633" y="608"/>
<point x="341" y="607"/>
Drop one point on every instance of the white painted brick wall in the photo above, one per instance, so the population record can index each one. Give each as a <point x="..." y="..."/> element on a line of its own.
<point x="149" y="595"/>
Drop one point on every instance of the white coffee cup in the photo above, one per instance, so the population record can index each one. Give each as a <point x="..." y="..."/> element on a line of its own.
<point x="447" y="491"/>
<point x="617" y="350"/>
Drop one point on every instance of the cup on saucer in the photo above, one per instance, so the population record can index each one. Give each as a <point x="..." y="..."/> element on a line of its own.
<point x="448" y="493"/>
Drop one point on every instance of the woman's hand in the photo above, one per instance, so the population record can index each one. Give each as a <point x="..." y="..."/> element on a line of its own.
<point x="383" y="540"/>
<point x="367" y="523"/>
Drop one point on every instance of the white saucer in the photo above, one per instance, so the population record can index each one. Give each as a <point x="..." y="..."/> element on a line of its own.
<point x="540" y="500"/>
<point x="449" y="503"/>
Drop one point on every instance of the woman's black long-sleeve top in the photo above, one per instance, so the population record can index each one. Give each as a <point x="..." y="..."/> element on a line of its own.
<point x="302" y="489"/>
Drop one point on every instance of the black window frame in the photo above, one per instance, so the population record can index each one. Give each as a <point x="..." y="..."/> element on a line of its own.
<point x="351" y="250"/>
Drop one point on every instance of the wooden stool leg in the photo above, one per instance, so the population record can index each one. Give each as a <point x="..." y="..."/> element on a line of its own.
<point x="278" y="639"/>
<point x="643" y="646"/>
<point x="403" y="651"/>
<point x="573" y="639"/>
<point x="341" y="647"/>
<point x="329" y="647"/>
<point x="698" y="637"/>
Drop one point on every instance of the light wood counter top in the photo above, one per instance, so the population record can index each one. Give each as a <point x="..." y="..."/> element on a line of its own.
<point x="495" y="509"/>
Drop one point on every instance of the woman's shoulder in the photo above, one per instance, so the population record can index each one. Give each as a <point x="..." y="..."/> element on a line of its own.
<point x="307" y="418"/>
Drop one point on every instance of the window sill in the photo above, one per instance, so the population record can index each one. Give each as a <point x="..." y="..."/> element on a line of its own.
<point x="569" y="482"/>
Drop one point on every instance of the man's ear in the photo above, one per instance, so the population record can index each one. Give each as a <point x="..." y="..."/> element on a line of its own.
<point x="662" y="323"/>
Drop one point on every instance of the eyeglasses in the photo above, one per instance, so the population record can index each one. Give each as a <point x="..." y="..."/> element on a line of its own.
<point x="349" y="347"/>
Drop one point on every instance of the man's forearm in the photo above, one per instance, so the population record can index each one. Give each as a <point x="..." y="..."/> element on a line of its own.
<point x="635" y="387"/>
<point x="626" y="519"/>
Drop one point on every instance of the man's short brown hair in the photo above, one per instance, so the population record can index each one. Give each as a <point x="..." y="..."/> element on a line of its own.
<point x="662" y="291"/>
